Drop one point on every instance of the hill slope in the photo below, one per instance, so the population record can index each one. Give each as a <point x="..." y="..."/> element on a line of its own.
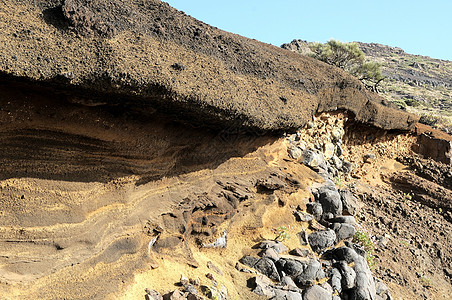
<point x="418" y="84"/>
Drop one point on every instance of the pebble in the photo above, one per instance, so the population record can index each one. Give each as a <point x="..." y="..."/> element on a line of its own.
<point x="214" y="268"/>
<point x="295" y="152"/>
<point x="153" y="294"/>
<point x="368" y="158"/>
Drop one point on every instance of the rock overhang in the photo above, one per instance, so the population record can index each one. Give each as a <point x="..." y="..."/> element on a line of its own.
<point x="155" y="57"/>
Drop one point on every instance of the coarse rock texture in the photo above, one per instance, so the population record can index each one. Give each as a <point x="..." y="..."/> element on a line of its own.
<point x="155" y="57"/>
<point x="417" y="84"/>
<point x="136" y="157"/>
<point x="434" y="143"/>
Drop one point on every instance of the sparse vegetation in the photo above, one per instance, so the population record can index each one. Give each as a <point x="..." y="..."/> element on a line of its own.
<point x="417" y="84"/>
<point x="435" y="121"/>
<point x="362" y="238"/>
<point x="405" y="243"/>
<point x="426" y="282"/>
<point x="349" y="57"/>
<point x="338" y="181"/>
<point x="407" y="196"/>
<point x="282" y="233"/>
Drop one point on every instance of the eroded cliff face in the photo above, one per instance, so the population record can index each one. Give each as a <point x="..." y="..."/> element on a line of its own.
<point x="79" y="184"/>
<point x="103" y="202"/>
<point x="138" y="144"/>
<point x="157" y="57"/>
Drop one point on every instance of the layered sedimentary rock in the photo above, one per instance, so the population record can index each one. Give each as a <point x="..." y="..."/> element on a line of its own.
<point x="131" y="132"/>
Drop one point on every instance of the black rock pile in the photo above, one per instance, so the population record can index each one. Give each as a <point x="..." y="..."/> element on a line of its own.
<point x="334" y="267"/>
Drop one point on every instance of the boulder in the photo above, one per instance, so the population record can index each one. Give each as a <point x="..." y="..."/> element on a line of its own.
<point x="291" y="267"/>
<point x="365" y="284"/>
<point x="276" y="245"/>
<point x="250" y="261"/>
<point x="267" y="267"/>
<point x="303" y="238"/>
<point x="345" y="253"/>
<point x="343" y="219"/>
<point x="153" y="295"/>
<point x="262" y="286"/>
<point x="303" y="217"/>
<point x="316" y="292"/>
<point x="330" y="200"/>
<point x="314" y="159"/>
<point x="348" y="275"/>
<point x="336" y="280"/>
<point x="349" y="203"/>
<point x="270" y="253"/>
<point x="320" y="240"/>
<point x="315" y="209"/>
<point x="343" y="231"/>
<point x="286" y="295"/>
<point x="287" y="282"/>
<point x="312" y="271"/>
<point x="300" y="252"/>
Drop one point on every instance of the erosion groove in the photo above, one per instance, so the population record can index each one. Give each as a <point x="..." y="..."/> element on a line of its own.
<point x="79" y="183"/>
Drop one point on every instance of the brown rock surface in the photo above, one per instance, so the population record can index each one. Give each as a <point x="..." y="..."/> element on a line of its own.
<point x="152" y="55"/>
<point x="103" y="194"/>
<point x="433" y="143"/>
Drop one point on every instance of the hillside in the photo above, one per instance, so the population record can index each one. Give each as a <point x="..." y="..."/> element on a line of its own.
<point x="145" y="154"/>
<point x="418" y="84"/>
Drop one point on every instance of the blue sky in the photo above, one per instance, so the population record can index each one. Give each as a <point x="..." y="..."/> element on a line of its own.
<point x="418" y="27"/>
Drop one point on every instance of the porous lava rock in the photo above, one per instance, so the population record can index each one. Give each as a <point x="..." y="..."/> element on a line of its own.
<point x="152" y="56"/>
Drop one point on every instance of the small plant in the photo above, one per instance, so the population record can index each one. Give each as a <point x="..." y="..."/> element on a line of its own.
<point x="405" y="243"/>
<point x="407" y="196"/>
<point x="349" y="57"/>
<point x="429" y="119"/>
<point x="282" y="233"/>
<point x="426" y="282"/>
<point x="338" y="181"/>
<point x="362" y="238"/>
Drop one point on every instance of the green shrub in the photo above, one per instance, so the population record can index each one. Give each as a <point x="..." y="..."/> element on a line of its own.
<point x="412" y="102"/>
<point x="400" y="103"/>
<point x="282" y="233"/>
<point x="362" y="238"/>
<point x="350" y="58"/>
<point x="429" y="120"/>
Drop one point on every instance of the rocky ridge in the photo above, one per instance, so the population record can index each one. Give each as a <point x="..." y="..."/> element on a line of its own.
<point x="151" y="56"/>
<point x="416" y="83"/>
